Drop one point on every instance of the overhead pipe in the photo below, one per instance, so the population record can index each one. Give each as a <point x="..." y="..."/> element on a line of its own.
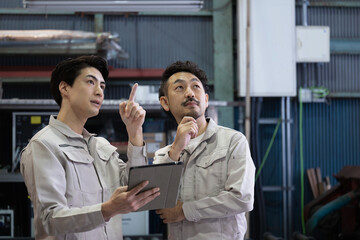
<point x="345" y="46"/>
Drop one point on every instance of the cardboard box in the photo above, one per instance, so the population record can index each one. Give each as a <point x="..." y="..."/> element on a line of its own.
<point x="154" y="141"/>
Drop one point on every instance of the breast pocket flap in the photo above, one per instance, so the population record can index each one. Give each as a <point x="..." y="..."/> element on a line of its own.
<point x="78" y="156"/>
<point x="105" y="152"/>
<point x="212" y="158"/>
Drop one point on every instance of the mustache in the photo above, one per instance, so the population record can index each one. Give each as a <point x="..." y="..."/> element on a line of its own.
<point x="190" y="100"/>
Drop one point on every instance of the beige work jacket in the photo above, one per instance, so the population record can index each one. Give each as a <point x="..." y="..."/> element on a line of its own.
<point x="217" y="186"/>
<point x="68" y="176"/>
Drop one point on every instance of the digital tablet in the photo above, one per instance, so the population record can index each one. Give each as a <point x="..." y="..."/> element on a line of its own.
<point x="166" y="176"/>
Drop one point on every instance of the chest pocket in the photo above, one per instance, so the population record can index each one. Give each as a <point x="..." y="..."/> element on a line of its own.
<point x="210" y="174"/>
<point x="84" y="174"/>
<point x="108" y="167"/>
<point x="106" y="152"/>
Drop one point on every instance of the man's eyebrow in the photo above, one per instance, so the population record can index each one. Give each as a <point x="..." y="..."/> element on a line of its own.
<point x="182" y="80"/>
<point x="195" y="80"/>
<point x="95" y="78"/>
<point x="179" y="80"/>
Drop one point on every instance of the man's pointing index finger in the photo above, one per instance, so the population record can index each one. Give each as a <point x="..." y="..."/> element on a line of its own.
<point x="133" y="92"/>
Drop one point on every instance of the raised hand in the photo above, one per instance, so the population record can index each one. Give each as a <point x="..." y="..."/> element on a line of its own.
<point x="133" y="115"/>
<point x="186" y="130"/>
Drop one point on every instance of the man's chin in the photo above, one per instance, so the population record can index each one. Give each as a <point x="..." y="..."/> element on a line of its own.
<point x="194" y="115"/>
<point x="94" y="113"/>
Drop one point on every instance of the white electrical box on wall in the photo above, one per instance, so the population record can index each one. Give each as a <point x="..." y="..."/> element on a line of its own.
<point x="272" y="49"/>
<point x="312" y="44"/>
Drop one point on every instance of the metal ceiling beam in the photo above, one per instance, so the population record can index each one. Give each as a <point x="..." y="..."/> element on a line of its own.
<point x="114" y="6"/>
<point x="24" y="11"/>
<point x="7" y="76"/>
<point x="108" y="104"/>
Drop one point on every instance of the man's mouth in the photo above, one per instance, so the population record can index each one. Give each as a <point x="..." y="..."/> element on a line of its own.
<point x="98" y="103"/>
<point x="191" y="101"/>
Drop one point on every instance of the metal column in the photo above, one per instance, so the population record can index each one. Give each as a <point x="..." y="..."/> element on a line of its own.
<point x="286" y="186"/>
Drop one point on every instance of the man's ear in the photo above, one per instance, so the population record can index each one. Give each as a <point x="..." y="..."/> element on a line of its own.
<point x="164" y="103"/>
<point x="207" y="99"/>
<point x="63" y="88"/>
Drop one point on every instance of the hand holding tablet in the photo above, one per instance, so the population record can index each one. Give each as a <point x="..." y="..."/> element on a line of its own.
<point x="166" y="176"/>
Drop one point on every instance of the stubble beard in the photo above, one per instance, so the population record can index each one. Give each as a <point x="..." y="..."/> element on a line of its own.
<point x="194" y="114"/>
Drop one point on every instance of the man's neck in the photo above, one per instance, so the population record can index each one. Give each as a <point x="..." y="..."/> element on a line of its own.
<point x="75" y="122"/>
<point x="202" y="124"/>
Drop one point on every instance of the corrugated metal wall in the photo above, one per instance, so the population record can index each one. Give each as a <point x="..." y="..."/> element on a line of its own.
<point x="38" y="22"/>
<point x="327" y="125"/>
<point x="331" y="130"/>
<point x="342" y="74"/>
<point x="343" y="22"/>
<point x="156" y="41"/>
<point x="11" y="4"/>
<point x="331" y="138"/>
<point x="151" y="41"/>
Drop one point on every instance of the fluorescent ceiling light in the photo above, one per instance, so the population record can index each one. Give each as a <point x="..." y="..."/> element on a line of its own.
<point x="113" y="6"/>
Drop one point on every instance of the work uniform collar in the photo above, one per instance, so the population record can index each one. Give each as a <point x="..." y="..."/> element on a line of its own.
<point x="66" y="130"/>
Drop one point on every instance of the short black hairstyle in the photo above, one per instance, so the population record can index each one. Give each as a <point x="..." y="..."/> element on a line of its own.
<point x="179" y="66"/>
<point x="69" y="69"/>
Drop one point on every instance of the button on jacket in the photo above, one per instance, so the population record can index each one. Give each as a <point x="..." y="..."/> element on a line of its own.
<point x="68" y="177"/>
<point x="217" y="186"/>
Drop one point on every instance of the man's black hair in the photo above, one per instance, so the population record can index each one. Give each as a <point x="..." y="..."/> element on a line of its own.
<point x="69" y="69"/>
<point x="180" y="66"/>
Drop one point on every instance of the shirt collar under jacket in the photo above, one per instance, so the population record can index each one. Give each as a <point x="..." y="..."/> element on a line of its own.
<point x="209" y="132"/>
<point x="66" y="130"/>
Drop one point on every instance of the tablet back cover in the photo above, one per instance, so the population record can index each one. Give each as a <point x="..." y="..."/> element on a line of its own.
<point x="165" y="176"/>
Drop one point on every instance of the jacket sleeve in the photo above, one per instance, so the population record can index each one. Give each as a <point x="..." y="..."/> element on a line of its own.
<point x="45" y="178"/>
<point x="136" y="155"/>
<point x="238" y="193"/>
<point x="162" y="155"/>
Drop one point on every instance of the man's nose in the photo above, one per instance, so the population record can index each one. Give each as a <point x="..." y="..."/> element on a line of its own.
<point x="99" y="91"/>
<point x="189" y="92"/>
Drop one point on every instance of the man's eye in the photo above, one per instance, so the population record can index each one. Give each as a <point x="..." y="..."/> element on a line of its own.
<point x="102" y="87"/>
<point x="91" y="82"/>
<point x="178" y="88"/>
